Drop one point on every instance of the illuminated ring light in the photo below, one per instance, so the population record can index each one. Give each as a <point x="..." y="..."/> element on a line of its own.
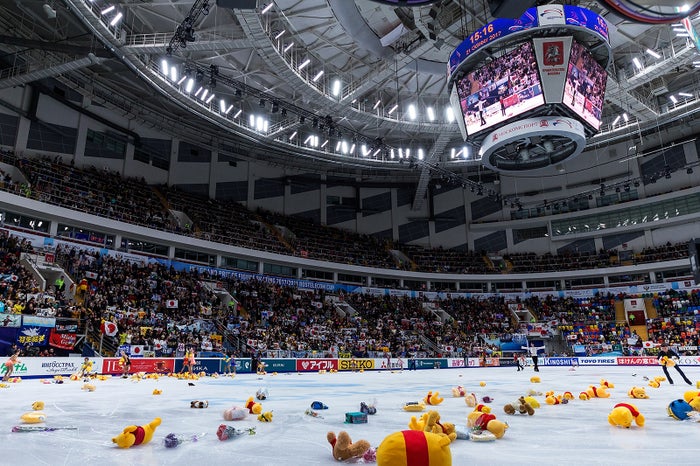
<point x="533" y="143"/>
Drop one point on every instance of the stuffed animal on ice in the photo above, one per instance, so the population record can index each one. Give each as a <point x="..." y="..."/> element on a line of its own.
<point x="597" y="392"/>
<point x="606" y="384"/>
<point x="88" y="387"/>
<point x="199" y="404"/>
<point x="692" y="397"/>
<point x="532" y="401"/>
<point x="679" y="409"/>
<point x="568" y="396"/>
<point x="458" y="391"/>
<point x="414" y="448"/>
<point x="520" y="406"/>
<point x="433" y="399"/>
<point x="157" y="391"/>
<point x="556" y="400"/>
<point x="235" y="413"/>
<point x="36" y="415"/>
<point x="637" y="392"/>
<point x="253" y="407"/>
<point x="654" y="383"/>
<point x="136" y="435"/>
<point x="623" y="414"/>
<point x="262" y="394"/>
<point x="430" y="422"/>
<point x="535" y="379"/>
<point x="583" y="396"/>
<point x="470" y="400"/>
<point x="265" y="417"/>
<point x="486" y="422"/>
<point x="414" y="406"/>
<point x="344" y="448"/>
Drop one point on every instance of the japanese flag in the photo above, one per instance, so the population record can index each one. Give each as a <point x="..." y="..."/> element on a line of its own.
<point x="136" y="350"/>
<point x="109" y="328"/>
<point x="648" y="344"/>
<point x="171" y="304"/>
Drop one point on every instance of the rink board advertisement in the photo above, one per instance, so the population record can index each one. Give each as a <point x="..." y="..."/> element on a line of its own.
<point x="49" y="367"/>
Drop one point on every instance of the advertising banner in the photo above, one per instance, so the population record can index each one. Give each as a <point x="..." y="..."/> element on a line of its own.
<point x="160" y="365"/>
<point x="280" y="365"/>
<point x="35" y="321"/>
<point x="202" y="365"/>
<point x="559" y="361"/>
<point x="637" y="361"/>
<point x="454" y="362"/>
<point x="356" y="364"/>
<point x="598" y="361"/>
<point x="314" y="365"/>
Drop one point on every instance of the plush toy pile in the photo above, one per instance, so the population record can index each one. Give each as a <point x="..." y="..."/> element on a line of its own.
<point x="520" y="406"/>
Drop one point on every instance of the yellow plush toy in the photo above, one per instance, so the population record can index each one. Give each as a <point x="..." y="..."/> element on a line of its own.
<point x="583" y="396"/>
<point x="597" y="392"/>
<point x="88" y="387"/>
<point x="253" y="407"/>
<point x="554" y="399"/>
<point x="458" y="391"/>
<point x="414" y="406"/>
<point x="433" y="399"/>
<point x="157" y="391"/>
<point x="654" y="383"/>
<point x="687" y="396"/>
<point x="430" y="422"/>
<point x="36" y="416"/>
<point x="265" y="417"/>
<point x="637" y="392"/>
<point x="535" y="379"/>
<point x="623" y="414"/>
<point x="606" y="384"/>
<point x="414" y="448"/>
<point x="344" y="448"/>
<point x="568" y="396"/>
<point x="136" y="435"/>
<point x="532" y="402"/>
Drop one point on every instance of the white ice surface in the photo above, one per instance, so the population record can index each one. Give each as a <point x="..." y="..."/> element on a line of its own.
<point x="575" y="433"/>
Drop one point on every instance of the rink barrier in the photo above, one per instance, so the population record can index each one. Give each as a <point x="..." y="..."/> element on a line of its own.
<point x="49" y="367"/>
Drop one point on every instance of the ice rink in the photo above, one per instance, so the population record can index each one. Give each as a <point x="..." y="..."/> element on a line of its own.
<point x="577" y="432"/>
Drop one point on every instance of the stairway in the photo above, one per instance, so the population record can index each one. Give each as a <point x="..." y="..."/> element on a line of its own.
<point x="651" y="310"/>
<point x="621" y="318"/>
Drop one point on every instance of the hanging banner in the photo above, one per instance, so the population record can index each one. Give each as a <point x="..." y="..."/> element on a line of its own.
<point x="64" y="341"/>
<point x="33" y="336"/>
<point x="11" y="320"/>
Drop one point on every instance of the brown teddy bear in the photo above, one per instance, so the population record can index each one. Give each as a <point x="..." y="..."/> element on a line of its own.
<point x="343" y="447"/>
<point x="520" y="406"/>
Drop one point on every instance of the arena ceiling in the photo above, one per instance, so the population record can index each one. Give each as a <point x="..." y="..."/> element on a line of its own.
<point x="385" y="57"/>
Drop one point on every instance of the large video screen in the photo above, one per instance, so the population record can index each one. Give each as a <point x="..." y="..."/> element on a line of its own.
<point x="500" y="90"/>
<point x="584" y="90"/>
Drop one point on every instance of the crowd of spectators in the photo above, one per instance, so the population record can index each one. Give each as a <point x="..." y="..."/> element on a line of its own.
<point x="168" y="311"/>
<point x="107" y="194"/>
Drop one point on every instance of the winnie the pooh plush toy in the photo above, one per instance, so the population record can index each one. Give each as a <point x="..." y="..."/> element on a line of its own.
<point x="638" y="392"/>
<point x="433" y="399"/>
<point x="344" y="448"/>
<point x="623" y="414"/>
<point x="265" y="417"/>
<point x="458" y="391"/>
<point x="136" y="435"/>
<point x="597" y="392"/>
<point x="253" y="407"/>
<point x="520" y="406"/>
<point x="470" y="400"/>
<point x="430" y="422"/>
<point x="36" y="416"/>
<point x="414" y="448"/>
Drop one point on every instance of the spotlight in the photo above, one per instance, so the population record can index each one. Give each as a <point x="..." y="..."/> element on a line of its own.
<point x="689" y="171"/>
<point x="275" y="107"/>
<point x="262" y="103"/>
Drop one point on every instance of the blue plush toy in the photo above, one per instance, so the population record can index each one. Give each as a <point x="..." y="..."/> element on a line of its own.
<point x="679" y="409"/>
